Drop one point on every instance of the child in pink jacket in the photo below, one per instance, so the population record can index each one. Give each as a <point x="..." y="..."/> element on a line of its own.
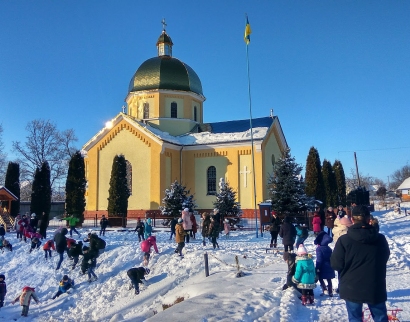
<point x="146" y="248"/>
<point x="316" y="222"/>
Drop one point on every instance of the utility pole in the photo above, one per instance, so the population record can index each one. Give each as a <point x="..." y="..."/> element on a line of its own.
<point x="357" y="169"/>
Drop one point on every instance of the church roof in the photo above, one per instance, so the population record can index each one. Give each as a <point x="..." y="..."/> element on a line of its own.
<point x="240" y="125"/>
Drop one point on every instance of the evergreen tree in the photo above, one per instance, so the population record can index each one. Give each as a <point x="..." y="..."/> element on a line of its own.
<point x="329" y="181"/>
<point x="12" y="183"/>
<point x="286" y="188"/>
<point x="226" y="201"/>
<point x="118" y="192"/>
<point x="177" y="197"/>
<point x="313" y="176"/>
<point x="340" y="183"/>
<point x="75" y="187"/>
<point x="41" y="191"/>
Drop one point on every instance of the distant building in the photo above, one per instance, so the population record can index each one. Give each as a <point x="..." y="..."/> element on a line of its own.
<point x="163" y="137"/>
<point x="405" y="190"/>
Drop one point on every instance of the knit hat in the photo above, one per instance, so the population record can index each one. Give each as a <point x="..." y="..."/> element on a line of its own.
<point x="65" y="278"/>
<point x="85" y="248"/>
<point x="3" y="277"/>
<point x="186" y="209"/>
<point x="301" y="250"/>
<point x="362" y="211"/>
<point x="180" y="220"/>
<point x="345" y="221"/>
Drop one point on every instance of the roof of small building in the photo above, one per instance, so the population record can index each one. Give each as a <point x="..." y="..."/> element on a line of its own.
<point x="405" y="184"/>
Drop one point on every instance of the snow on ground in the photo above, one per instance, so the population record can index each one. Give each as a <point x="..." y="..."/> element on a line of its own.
<point x="222" y="296"/>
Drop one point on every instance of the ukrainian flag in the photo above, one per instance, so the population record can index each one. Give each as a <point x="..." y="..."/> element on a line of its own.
<point x="248" y="32"/>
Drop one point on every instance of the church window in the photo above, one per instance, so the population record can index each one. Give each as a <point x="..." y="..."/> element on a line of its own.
<point x="273" y="159"/>
<point x="174" y="110"/>
<point x="195" y="114"/>
<point x="146" y="110"/>
<point x="211" y="176"/>
<point x="129" y="176"/>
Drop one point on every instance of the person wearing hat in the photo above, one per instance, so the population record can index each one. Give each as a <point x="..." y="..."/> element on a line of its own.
<point x="23" y="223"/>
<point x="214" y="230"/>
<point x="33" y="221"/>
<point x="288" y="234"/>
<point x="139" y="229"/>
<point x="360" y="257"/>
<point x="305" y="275"/>
<point x="340" y="227"/>
<point x="186" y="223"/>
<point x="65" y="284"/>
<point x="323" y="268"/>
<point x="25" y="299"/>
<point x="137" y="276"/>
<point x="330" y="219"/>
<point x="3" y="289"/>
<point x="179" y="237"/>
<point x="340" y="212"/>
<point x="147" y="228"/>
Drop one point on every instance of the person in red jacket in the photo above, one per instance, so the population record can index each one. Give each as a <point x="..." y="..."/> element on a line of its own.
<point x="23" y="223"/>
<point x="25" y="299"/>
<point x="316" y="222"/>
<point x="48" y="246"/>
<point x="146" y="248"/>
<point x="194" y="225"/>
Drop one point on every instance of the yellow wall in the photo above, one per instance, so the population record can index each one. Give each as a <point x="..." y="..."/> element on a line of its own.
<point x="180" y="106"/>
<point x="245" y="187"/>
<point x="174" y="127"/>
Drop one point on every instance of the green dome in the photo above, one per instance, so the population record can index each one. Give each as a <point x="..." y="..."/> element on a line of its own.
<point x="165" y="72"/>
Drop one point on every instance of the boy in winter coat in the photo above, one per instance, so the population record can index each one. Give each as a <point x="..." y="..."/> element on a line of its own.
<point x="275" y="223"/>
<point x="89" y="263"/>
<point x="302" y="234"/>
<point x="147" y="228"/>
<point x="140" y="230"/>
<point x="97" y="244"/>
<point x="146" y="248"/>
<point x="35" y="243"/>
<point x="173" y="223"/>
<point x="288" y="234"/>
<point x="290" y="259"/>
<point x="330" y="219"/>
<point x="72" y="222"/>
<point x="25" y="299"/>
<point x="75" y="251"/>
<point x="2" y="232"/>
<point x="3" y="289"/>
<point x="48" y="246"/>
<point x="206" y="221"/>
<point x="317" y="223"/>
<point x="65" y="284"/>
<point x="305" y="274"/>
<point x="179" y="237"/>
<point x="103" y="224"/>
<point x="214" y="231"/>
<point x="137" y="276"/>
<point x="323" y="268"/>
<point x="61" y="245"/>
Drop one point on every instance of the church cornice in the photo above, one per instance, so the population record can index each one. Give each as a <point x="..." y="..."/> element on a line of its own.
<point x="171" y="93"/>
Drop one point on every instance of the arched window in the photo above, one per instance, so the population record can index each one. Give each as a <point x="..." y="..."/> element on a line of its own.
<point x="129" y="176"/>
<point x="211" y="178"/>
<point x="146" y="110"/>
<point x="174" y="110"/>
<point x="195" y="113"/>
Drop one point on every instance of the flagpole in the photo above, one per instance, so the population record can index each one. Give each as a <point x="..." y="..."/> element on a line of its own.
<point x="252" y="151"/>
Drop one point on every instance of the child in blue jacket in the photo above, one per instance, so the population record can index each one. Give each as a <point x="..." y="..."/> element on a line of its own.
<point x="323" y="268"/>
<point x="305" y="274"/>
<point x="65" y="284"/>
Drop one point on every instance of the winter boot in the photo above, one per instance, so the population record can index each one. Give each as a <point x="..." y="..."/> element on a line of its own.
<point x="137" y="291"/>
<point x="330" y="290"/>
<point x="203" y="243"/>
<point x="311" y="299"/>
<point x="271" y="245"/>
<point x="324" y="290"/>
<point x="274" y="245"/>
<point x="304" y="299"/>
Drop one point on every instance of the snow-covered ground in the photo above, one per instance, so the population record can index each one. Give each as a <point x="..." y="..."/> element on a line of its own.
<point x="222" y="296"/>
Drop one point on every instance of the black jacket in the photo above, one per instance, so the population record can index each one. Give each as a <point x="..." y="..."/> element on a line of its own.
<point x="104" y="223"/>
<point x="75" y="250"/>
<point x="287" y="232"/>
<point x="61" y="240"/>
<point x="173" y="224"/>
<point x="275" y="224"/>
<point x="360" y="257"/>
<point x="136" y="274"/>
<point x="89" y="260"/>
<point x="2" y="231"/>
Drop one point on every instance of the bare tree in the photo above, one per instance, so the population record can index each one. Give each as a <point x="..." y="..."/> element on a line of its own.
<point x="399" y="176"/>
<point x="45" y="143"/>
<point x="3" y="157"/>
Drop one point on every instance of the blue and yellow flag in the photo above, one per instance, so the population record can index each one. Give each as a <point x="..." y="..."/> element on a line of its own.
<point x="248" y="32"/>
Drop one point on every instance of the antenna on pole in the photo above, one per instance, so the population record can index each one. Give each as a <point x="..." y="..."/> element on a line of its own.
<point x="357" y="169"/>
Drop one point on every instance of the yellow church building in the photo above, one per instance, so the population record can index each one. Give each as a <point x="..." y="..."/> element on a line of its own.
<point x="162" y="135"/>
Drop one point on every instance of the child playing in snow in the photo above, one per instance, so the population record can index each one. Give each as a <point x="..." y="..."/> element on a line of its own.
<point x="227" y="228"/>
<point x="140" y="230"/>
<point x="305" y="274"/>
<point x="3" y="289"/>
<point x="323" y="268"/>
<point x="2" y="232"/>
<point x="214" y="231"/>
<point x="75" y="251"/>
<point x="89" y="263"/>
<point x="179" y="237"/>
<point x="47" y="248"/>
<point x="290" y="258"/>
<point x="6" y="245"/>
<point x="146" y="248"/>
<point x="147" y="228"/>
<point x="35" y="244"/>
<point x="302" y="234"/>
<point x="65" y="284"/>
<point x="25" y="299"/>
<point x="137" y="276"/>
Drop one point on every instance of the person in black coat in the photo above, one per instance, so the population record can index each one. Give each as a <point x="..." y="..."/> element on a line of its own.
<point x="288" y="234"/>
<point x="140" y="230"/>
<point x="3" y="289"/>
<point x="340" y="212"/>
<point x="89" y="263"/>
<point x="2" y="232"/>
<point x="103" y="224"/>
<point x="75" y="251"/>
<point x="290" y="259"/>
<point x="360" y="257"/>
<point x="274" y="229"/>
<point x="137" y="276"/>
<point x="61" y="245"/>
<point x="173" y="224"/>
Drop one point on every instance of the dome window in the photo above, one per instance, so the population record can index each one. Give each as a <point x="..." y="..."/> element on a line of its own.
<point x="174" y="110"/>
<point x="146" y="110"/>
<point x="195" y="114"/>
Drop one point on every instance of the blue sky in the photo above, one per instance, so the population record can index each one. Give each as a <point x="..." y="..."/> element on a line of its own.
<point x="336" y="73"/>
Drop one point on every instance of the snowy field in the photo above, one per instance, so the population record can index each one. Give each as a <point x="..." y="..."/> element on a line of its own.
<point x="220" y="297"/>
